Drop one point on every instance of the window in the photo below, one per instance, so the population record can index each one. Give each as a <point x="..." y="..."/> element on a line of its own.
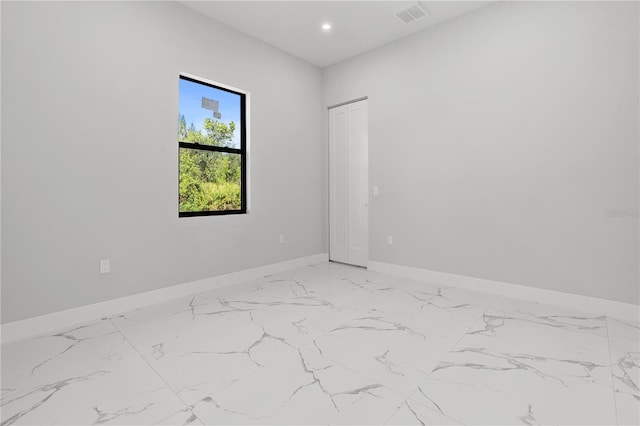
<point x="212" y="145"/>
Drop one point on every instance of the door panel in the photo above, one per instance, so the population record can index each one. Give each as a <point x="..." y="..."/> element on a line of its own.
<point x="339" y="192"/>
<point x="348" y="186"/>
<point x="358" y="184"/>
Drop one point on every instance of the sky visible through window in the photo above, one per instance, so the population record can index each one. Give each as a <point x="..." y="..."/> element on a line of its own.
<point x="190" y="106"/>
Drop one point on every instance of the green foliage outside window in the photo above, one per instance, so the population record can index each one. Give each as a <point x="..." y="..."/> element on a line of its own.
<point x="209" y="180"/>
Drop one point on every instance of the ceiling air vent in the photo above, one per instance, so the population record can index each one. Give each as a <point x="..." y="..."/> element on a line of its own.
<point x="412" y="13"/>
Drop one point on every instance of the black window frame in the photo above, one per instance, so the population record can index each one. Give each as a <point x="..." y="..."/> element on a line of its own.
<point x="242" y="151"/>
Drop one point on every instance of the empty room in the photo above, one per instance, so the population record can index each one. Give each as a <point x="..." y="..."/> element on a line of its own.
<point x="320" y="212"/>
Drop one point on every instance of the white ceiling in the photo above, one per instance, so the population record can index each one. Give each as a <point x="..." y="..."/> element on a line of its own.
<point x="357" y="26"/>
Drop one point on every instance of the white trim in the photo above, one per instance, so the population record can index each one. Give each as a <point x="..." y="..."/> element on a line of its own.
<point x="620" y="310"/>
<point x="215" y="83"/>
<point x="55" y="321"/>
<point x="364" y="98"/>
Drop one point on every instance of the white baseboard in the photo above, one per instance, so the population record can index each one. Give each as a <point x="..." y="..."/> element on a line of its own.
<point x="619" y="310"/>
<point x="44" y="324"/>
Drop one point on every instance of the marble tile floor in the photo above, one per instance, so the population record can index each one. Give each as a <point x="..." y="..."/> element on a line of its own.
<point x="329" y="344"/>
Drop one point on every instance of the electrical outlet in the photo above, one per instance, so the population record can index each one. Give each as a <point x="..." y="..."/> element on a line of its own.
<point x="389" y="240"/>
<point x="105" y="266"/>
<point x="376" y="191"/>
<point x="281" y="238"/>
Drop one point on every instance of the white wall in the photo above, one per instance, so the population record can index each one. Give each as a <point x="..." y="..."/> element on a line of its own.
<point x="89" y="153"/>
<point x="499" y="139"/>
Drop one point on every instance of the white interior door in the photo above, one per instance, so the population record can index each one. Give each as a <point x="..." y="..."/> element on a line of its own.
<point x="349" y="183"/>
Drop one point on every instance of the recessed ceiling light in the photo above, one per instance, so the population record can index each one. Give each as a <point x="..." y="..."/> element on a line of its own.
<point x="326" y="27"/>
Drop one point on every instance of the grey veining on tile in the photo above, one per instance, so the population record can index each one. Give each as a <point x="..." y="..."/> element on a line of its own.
<point x="329" y="344"/>
<point x="414" y="413"/>
<point x="86" y="375"/>
<point x="524" y="363"/>
<point x="183" y="417"/>
<point x="624" y="344"/>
